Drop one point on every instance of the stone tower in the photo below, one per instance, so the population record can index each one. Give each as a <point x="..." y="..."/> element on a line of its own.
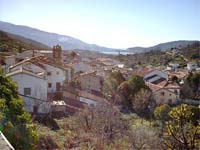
<point x="57" y="52"/>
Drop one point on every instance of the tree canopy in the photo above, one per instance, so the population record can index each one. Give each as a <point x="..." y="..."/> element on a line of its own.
<point x="183" y="129"/>
<point x="15" y="120"/>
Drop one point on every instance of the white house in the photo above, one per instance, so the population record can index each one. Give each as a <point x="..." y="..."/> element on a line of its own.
<point x="173" y="66"/>
<point x="55" y="77"/>
<point x="33" y="88"/>
<point x="53" y="71"/>
<point x="192" y="66"/>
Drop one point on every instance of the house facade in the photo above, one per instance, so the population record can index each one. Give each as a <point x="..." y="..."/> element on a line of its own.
<point x="53" y="71"/>
<point x="192" y="66"/>
<point x="33" y="89"/>
<point x="165" y="96"/>
<point x="90" y="81"/>
<point x="55" y="77"/>
<point x="165" y="92"/>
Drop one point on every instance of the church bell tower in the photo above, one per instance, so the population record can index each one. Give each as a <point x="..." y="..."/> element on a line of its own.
<point x="57" y="52"/>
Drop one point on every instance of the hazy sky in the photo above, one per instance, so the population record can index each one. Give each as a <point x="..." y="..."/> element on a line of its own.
<point x="111" y="23"/>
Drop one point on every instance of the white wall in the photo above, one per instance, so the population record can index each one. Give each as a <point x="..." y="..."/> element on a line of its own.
<point x="57" y="75"/>
<point x="38" y="90"/>
<point x="90" y="82"/>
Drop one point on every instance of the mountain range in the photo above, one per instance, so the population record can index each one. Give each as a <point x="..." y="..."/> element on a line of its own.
<point x="70" y="43"/>
<point x="15" y="43"/>
<point x="50" y="39"/>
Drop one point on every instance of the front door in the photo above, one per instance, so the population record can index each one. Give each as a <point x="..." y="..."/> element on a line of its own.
<point x="58" y="86"/>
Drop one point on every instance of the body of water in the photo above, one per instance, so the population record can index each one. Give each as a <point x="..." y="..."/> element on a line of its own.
<point x="116" y="52"/>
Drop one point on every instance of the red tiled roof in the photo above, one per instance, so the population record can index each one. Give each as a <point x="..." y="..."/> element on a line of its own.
<point x="171" y="85"/>
<point x="40" y="60"/>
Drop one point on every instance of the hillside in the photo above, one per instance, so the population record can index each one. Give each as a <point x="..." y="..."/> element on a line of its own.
<point x="14" y="43"/>
<point x="180" y="55"/>
<point x="50" y="39"/>
<point x="162" y="46"/>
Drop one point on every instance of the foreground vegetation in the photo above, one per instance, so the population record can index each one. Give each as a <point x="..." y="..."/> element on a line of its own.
<point x="106" y="128"/>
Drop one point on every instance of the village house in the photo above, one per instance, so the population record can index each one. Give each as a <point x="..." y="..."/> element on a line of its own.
<point x="33" y="88"/>
<point x="55" y="73"/>
<point x="172" y="66"/>
<point x="192" y="66"/>
<point x="169" y="93"/>
<point x="77" y="98"/>
<point x="152" y="75"/>
<point x="164" y="96"/>
<point x="54" y="70"/>
<point x="181" y="74"/>
<point x="90" y="81"/>
<point x="164" y="91"/>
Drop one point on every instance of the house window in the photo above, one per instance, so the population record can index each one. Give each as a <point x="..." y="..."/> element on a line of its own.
<point x="176" y="91"/>
<point x="49" y="85"/>
<point x="48" y="73"/>
<point x="27" y="91"/>
<point x="57" y="72"/>
<point x="162" y="93"/>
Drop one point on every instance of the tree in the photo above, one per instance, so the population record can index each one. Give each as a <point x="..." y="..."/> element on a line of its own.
<point x="111" y="84"/>
<point x="174" y="79"/>
<point x="183" y="130"/>
<point x="129" y="91"/>
<point x="125" y="92"/>
<point x="104" y="121"/>
<point x="142" y="102"/>
<point x="118" y="76"/>
<point x="73" y="54"/>
<point x="16" y="122"/>
<point x="136" y="83"/>
<point x="161" y="113"/>
<point x="194" y="82"/>
<point x="187" y="91"/>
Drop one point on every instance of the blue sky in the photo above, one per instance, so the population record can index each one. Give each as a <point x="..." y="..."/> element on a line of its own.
<point x="111" y="23"/>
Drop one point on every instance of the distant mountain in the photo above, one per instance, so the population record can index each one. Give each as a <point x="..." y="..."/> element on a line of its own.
<point x="163" y="46"/>
<point x="15" y="43"/>
<point x="50" y="39"/>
